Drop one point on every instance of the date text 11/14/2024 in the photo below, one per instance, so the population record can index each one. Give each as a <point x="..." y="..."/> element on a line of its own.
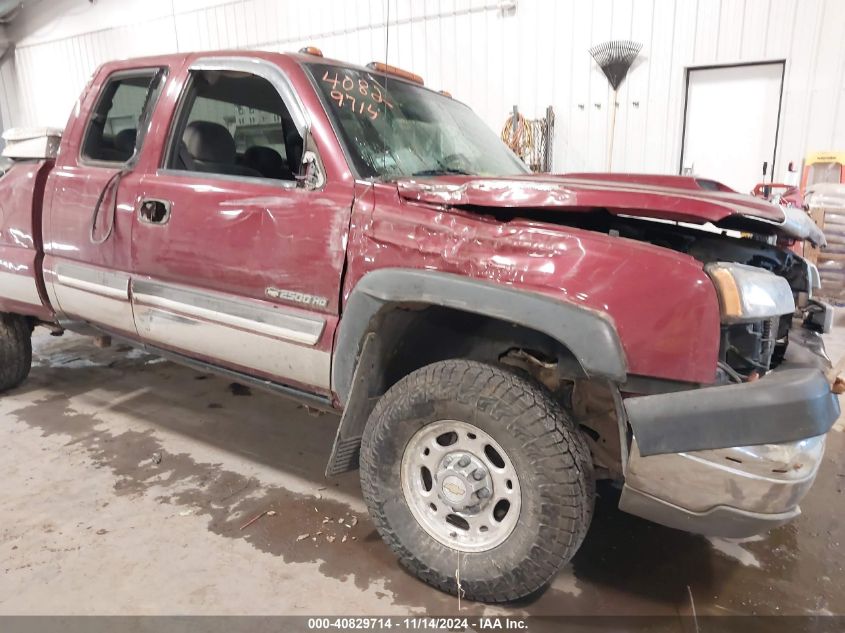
<point x="423" y="623"/>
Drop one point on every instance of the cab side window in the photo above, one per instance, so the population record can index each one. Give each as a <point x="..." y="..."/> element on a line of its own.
<point x="236" y="124"/>
<point x="113" y="129"/>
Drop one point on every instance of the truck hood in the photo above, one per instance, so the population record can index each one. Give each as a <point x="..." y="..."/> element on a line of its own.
<point x="660" y="197"/>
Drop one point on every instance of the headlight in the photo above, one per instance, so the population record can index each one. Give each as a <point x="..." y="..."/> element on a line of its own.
<point x="747" y="293"/>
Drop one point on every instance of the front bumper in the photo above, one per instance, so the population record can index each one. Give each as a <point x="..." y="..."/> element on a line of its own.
<point x="731" y="492"/>
<point x="734" y="460"/>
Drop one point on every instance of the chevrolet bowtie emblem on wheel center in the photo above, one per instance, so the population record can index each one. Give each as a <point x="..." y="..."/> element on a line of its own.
<point x="454" y="488"/>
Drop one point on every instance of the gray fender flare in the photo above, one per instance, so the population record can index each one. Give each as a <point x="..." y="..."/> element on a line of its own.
<point x="588" y="334"/>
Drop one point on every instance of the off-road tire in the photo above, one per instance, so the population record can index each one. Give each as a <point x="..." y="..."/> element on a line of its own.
<point x="551" y="459"/>
<point x="15" y="350"/>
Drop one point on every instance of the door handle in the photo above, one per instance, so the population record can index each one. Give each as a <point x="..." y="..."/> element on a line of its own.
<point x="153" y="211"/>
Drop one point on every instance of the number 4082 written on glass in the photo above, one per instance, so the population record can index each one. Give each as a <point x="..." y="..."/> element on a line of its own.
<point x="361" y="96"/>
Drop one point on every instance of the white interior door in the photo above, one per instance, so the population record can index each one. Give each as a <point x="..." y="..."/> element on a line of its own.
<point x="731" y="123"/>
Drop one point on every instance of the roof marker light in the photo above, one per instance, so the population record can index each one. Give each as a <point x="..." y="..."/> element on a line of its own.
<point x="398" y="72"/>
<point x="311" y="50"/>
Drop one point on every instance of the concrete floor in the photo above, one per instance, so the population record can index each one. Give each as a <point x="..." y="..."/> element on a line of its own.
<point x="127" y="480"/>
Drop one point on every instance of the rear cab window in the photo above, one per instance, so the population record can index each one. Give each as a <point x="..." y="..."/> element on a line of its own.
<point x="118" y="122"/>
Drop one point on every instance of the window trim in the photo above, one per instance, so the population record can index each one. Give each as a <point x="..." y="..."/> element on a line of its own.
<point x="257" y="67"/>
<point x="145" y="116"/>
<point x="207" y="175"/>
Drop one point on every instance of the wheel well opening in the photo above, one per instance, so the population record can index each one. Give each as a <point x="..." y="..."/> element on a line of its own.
<point x="413" y="336"/>
<point x="403" y="337"/>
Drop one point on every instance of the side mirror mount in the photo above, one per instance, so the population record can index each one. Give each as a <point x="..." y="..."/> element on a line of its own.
<point x="312" y="176"/>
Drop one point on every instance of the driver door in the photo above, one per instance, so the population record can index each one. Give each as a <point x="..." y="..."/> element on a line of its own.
<point x="235" y="261"/>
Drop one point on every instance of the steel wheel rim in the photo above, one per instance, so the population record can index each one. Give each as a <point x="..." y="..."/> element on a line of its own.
<point x="450" y="502"/>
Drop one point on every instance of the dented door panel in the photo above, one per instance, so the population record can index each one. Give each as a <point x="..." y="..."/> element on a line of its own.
<point x="248" y="335"/>
<point x="270" y="248"/>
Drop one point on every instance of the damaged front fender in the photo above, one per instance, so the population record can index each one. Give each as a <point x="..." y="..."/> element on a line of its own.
<point x="588" y="334"/>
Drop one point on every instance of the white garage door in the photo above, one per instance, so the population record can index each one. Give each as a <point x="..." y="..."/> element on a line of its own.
<point x="731" y="123"/>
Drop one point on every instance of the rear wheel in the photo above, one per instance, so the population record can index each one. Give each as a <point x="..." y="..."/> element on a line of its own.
<point x="474" y="474"/>
<point x="15" y="350"/>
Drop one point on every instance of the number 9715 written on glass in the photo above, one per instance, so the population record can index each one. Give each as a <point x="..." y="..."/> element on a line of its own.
<point x="363" y="97"/>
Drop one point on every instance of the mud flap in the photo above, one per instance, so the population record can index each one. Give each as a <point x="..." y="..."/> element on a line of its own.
<point x="367" y="388"/>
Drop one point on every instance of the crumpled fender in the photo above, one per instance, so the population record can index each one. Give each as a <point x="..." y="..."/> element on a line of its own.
<point x="661" y="303"/>
<point x="588" y="334"/>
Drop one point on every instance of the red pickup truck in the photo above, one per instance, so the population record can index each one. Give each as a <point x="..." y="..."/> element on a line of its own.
<point x="496" y="340"/>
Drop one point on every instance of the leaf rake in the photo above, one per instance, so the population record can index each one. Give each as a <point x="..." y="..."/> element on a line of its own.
<point x="615" y="59"/>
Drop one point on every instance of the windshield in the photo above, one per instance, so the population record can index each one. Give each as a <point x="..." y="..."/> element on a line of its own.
<point x="392" y="128"/>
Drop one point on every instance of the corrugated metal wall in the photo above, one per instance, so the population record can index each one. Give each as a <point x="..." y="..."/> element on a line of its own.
<point x="8" y="94"/>
<point x="533" y="57"/>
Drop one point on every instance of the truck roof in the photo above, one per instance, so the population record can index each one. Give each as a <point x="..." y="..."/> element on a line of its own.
<point x="174" y="59"/>
<point x="179" y="59"/>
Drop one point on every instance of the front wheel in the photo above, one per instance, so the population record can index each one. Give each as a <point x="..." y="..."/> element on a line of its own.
<point x="474" y="474"/>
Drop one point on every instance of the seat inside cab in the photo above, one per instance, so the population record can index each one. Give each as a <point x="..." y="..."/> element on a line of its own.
<point x="236" y="124"/>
